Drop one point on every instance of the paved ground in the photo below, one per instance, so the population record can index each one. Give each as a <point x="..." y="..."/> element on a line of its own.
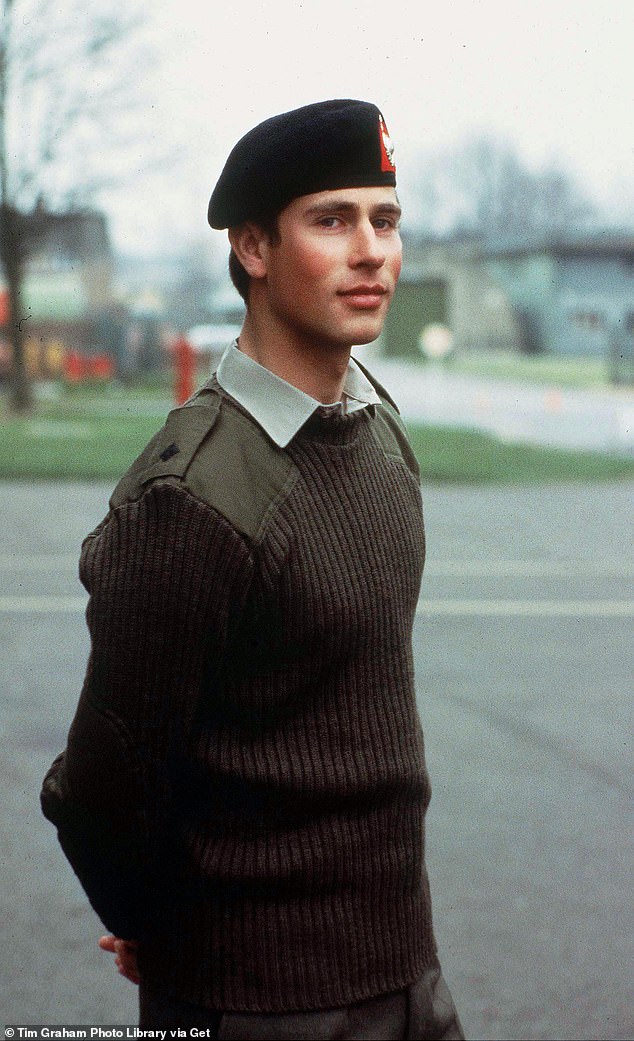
<point x="596" y="420"/>
<point x="523" y="652"/>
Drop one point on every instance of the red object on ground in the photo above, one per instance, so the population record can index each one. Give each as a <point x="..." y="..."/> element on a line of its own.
<point x="5" y="310"/>
<point x="79" y="367"/>
<point x="184" y="369"/>
<point x="73" y="367"/>
<point x="102" y="367"/>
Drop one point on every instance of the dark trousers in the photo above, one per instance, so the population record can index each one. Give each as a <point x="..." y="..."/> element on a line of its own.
<point x="424" y="1011"/>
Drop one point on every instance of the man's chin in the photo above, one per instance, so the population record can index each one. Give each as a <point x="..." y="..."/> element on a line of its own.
<point x="367" y="335"/>
<point x="361" y="331"/>
<point x="348" y="335"/>
<point x="363" y="341"/>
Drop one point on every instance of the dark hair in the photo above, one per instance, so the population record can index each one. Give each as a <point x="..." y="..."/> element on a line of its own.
<point x="239" y="276"/>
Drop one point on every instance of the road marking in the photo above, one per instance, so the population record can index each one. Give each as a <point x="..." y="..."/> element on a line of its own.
<point x="42" y="604"/>
<point x="528" y="608"/>
<point x="503" y="608"/>
<point x="42" y="562"/>
<point x="434" y="568"/>
<point x="528" y="568"/>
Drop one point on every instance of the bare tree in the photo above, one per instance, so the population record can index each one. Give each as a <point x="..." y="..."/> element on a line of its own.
<point x="483" y="188"/>
<point x="68" y="72"/>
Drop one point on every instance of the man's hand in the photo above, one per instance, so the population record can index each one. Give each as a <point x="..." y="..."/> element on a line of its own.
<point x="125" y="956"/>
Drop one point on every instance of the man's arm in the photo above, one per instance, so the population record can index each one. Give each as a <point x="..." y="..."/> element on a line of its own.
<point x="165" y="573"/>
<point x="92" y="793"/>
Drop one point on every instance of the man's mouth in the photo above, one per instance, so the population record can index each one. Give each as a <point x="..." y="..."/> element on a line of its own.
<point x="365" y="296"/>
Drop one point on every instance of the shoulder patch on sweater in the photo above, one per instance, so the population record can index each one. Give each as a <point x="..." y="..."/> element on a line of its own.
<point x="241" y="473"/>
<point x="221" y="457"/>
<point x="171" y="450"/>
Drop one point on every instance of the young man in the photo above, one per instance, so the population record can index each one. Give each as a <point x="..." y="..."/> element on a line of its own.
<point x="244" y="790"/>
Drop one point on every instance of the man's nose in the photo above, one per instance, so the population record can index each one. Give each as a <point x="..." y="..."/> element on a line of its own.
<point x="368" y="249"/>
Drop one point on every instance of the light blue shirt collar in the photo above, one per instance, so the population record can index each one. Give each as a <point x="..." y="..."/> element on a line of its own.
<point x="280" y="408"/>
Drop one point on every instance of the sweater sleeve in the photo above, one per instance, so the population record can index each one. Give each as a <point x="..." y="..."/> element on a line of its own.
<point x="166" y="576"/>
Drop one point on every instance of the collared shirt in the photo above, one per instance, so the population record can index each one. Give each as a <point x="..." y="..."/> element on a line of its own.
<point x="280" y="408"/>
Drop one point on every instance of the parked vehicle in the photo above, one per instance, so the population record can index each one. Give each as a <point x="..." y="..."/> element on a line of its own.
<point x="211" y="339"/>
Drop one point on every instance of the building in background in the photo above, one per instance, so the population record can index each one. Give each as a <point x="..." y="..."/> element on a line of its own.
<point x="68" y="302"/>
<point x="575" y="294"/>
<point x="445" y="283"/>
<point x="567" y="295"/>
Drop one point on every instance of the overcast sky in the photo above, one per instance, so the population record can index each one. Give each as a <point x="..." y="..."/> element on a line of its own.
<point x="555" y="78"/>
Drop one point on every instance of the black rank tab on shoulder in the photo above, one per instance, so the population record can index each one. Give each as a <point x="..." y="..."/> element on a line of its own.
<point x="169" y="452"/>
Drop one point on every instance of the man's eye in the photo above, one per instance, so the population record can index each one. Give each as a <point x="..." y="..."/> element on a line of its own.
<point x="330" y="222"/>
<point x="385" y="223"/>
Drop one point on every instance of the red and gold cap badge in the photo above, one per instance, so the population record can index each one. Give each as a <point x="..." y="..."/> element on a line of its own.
<point x="387" y="148"/>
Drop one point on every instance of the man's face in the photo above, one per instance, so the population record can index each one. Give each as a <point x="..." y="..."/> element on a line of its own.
<point x="331" y="276"/>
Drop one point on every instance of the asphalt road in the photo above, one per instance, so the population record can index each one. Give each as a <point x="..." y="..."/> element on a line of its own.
<point x="523" y="654"/>
<point x="600" y="419"/>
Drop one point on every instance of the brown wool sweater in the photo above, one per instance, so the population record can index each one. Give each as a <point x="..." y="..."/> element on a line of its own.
<point x="244" y="786"/>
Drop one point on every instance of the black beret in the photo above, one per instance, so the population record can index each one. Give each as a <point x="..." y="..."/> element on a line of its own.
<point x="328" y="145"/>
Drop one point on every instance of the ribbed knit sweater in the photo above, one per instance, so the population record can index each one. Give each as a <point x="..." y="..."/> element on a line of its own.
<point x="244" y="786"/>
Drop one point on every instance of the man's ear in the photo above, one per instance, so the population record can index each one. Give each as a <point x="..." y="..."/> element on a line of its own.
<point x="249" y="243"/>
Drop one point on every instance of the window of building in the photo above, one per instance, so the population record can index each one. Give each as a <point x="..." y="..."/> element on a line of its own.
<point x="589" y="321"/>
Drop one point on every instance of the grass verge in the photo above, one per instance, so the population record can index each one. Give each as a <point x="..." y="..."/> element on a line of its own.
<point x="446" y="454"/>
<point x="89" y="438"/>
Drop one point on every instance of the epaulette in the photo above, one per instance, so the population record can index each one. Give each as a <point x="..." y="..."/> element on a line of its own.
<point x="221" y="456"/>
<point x="171" y="450"/>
